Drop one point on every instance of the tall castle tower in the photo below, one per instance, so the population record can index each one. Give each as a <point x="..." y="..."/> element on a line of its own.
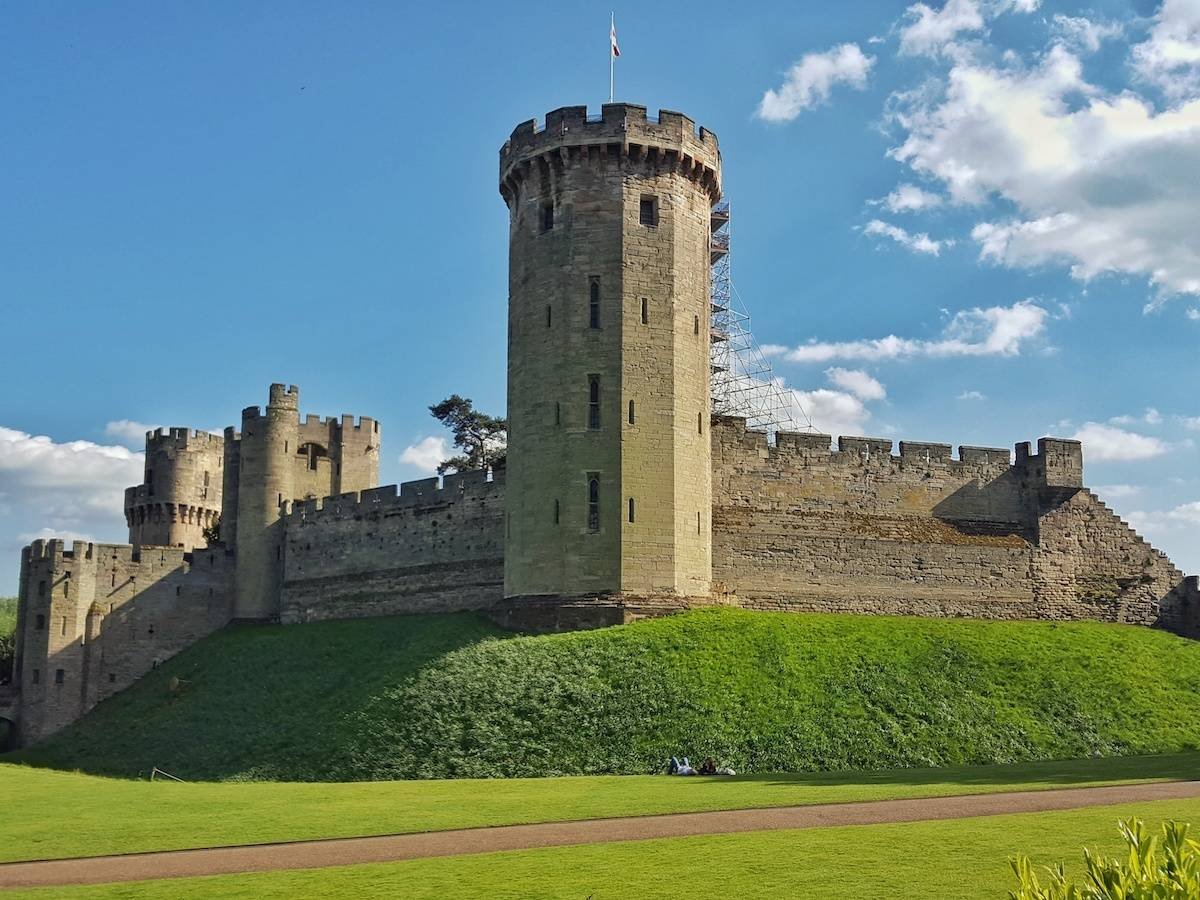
<point x="277" y="458"/>
<point x="609" y="473"/>
<point x="181" y="495"/>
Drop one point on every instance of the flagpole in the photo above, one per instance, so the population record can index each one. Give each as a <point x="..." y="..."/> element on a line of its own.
<point x="612" y="26"/>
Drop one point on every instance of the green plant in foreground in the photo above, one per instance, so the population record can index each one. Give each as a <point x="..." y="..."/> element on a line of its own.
<point x="1151" y="871"/>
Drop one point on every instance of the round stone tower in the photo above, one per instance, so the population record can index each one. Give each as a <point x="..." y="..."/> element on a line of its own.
<point x="609" y="481"/>
<point x="265" y="480"/>
<point x="181" y="494"/>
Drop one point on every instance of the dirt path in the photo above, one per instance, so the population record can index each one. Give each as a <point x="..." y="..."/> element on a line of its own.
<point x="389" y="848"/>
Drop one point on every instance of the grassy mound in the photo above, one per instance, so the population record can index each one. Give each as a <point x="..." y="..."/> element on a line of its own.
<point x="450" y="696"/>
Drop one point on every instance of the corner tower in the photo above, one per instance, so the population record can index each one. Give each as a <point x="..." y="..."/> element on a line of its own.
<point x="265" y="479"/>
<point x="609" y="466"/>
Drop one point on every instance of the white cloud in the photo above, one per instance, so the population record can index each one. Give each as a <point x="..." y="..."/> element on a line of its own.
<point x="1109" y="443"/>
<point x="129" y="432"/>
<point x="1150" y="417"/>
<point x="46" y="534"/>
<point x="918" y="243"/>
<point x="930" y="31"/>
<point x="1188" y="513"/>
<point x="426" y="454"/>
<point x="72" y="490"/>
<point x="994" y="331"/>
<point x="1103" y="184"/>
<point x="972" y="395"/>
<point x="1193" y="313"/>
<point x="1170" y="57"/>
<point x="1191" y="423"/>
<point x="909" y="198"/>
<point x="857" y="382"/>
<point x="1083" y="33"/>
<point x="1117" y="491"/>
<point x="832" y="412"/>
<point x="809" y="82"/>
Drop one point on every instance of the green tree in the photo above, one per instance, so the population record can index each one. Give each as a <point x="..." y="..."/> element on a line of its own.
<point x="212" y="533"/>
<point x="483" y="439"/>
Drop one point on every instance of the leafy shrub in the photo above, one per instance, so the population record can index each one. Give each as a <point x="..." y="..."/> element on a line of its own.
<point x="1152" y="870"/>
<point x="8" y="646"/>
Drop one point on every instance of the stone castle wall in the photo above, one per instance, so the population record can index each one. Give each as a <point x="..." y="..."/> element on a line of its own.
<point x="426" y="548"/>
<point x="798" y="526"/>
<point x="95" y="618"/>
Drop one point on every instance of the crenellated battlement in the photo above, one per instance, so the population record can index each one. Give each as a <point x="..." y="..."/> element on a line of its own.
<point x="284" y="395"/>
<point x="183" y="439"/>
<point x="423" y="492"/>
<point x="856" y="451"/>
<point x="345" y="422"/>
<point x="621" y="131"/>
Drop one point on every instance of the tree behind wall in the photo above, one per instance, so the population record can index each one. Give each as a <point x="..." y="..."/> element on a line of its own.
<point x="483" y="439"/>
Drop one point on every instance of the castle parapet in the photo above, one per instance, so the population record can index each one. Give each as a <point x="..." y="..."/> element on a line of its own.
<point x="620" y="130"/>
<point x="854" y="450"/>
<point x="423" y="492"/>
<point x="1058" y="462"/>
<point x="183" y="439"/>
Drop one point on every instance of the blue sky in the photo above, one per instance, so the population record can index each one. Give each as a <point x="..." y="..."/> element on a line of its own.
<point x="972" y="222"/>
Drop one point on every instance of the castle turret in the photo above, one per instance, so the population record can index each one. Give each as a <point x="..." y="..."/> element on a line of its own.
<point x="609" y="463"/>
<point x="265" y="480"/>
<point x="182" y="491"/>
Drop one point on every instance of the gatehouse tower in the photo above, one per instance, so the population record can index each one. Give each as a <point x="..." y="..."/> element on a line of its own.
<point x="610" y="465"/>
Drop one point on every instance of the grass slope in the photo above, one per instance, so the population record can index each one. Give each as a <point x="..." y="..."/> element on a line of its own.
<point x="965" y="859"/>
<point x="83" y="815"/>
<point x="450" y="696"/>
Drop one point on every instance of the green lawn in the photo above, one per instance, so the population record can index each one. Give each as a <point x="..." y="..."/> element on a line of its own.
<point x="963" y="859"/>
<point x="65" y="814"/>
<point x="453" y="697"/>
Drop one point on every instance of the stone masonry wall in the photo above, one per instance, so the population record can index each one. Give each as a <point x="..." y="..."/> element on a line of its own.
<point x="797" y="526"/>
<point x="1091" y="564"/>
<point x="97" y="617"/>
<point x="379" y="552"/>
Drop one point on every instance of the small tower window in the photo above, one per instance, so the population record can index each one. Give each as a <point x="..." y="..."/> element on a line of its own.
<point x="593" y="505"/>
<point x="547" y="216"/>
<point x="594" y="303"/>
<point x="697" y="522"/>
<point x="549" y="316"/>
<point x="40" y="623"/>
<point x="59" y="676"/>
<point x="41" y="589"/>
<point x="37" y="676"/>
<point x="648" y="210"/>
<point x="631" y="509"/>
<point x="593" y="402"/>
<point x="556" y="511"/>
<point x="557" y="413"/>
<point x="631" y="412"/>
<point x="700" y="423"/>
<point x="645" y="311"/>
<point x="696" y="325"/>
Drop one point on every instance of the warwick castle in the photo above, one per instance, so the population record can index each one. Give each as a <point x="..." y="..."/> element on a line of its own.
<point x="623" y="495"/>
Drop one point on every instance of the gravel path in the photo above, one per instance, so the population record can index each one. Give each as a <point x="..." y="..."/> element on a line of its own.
<point x="389" y="848"/>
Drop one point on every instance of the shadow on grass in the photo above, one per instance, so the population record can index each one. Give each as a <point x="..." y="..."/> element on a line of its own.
<point x="261" y="702"/>
<point x="1170" y="767"/>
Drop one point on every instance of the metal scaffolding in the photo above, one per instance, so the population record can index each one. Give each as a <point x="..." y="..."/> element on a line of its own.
<point x="743" y="383"/>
